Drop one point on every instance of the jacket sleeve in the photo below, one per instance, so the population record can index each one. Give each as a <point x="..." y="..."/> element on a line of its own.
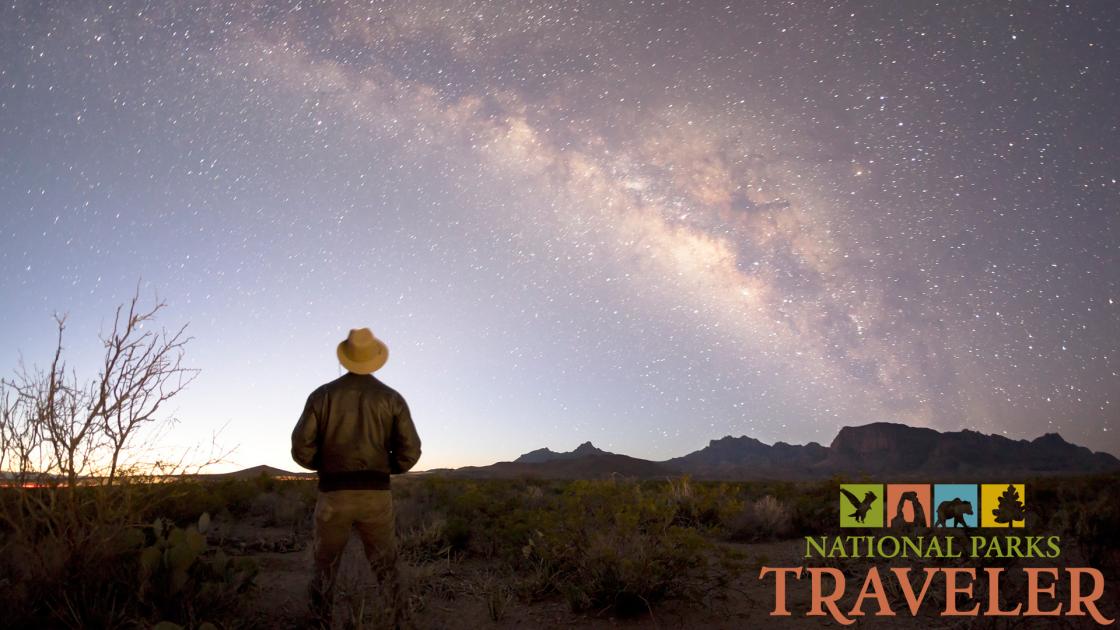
<point x="404" y="449"/>
<point x="305" y="437"/>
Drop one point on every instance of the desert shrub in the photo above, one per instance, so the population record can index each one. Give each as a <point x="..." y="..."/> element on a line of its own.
<point x="234" y="496"/>
<point x="271" y="501"/>
<point x="479" y="517"/>
<point x="813" y="508"/>
<point x="703" y="506"/>
<point x="67" y="577"/>
<point x="182" y="502"/>
<point x="279" y="508"/>
<point x="458" y="533"/>
<point x="54" y="547"/>
<point x="426" y="542"/>
<point x="74" y="450"/>
<point x="602" y="545"/>
<point x="763" y="519"/>
<point x="74" y="558"/>
<point x="1090" y="512"/>
<point x="495" y="592"/>
<point x="609" y="545"/>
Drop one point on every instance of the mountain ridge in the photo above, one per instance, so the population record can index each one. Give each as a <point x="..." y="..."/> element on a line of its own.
<point x="879" y="448"/>
<point x="545" y="454"/>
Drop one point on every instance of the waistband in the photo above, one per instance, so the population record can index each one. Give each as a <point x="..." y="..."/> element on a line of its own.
<point x="353" y="480"/>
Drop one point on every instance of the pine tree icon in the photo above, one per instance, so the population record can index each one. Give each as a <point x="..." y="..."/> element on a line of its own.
<point x="1010" y="507"/>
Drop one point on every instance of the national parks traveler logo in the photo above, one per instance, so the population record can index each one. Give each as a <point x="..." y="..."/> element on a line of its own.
<point x="941" y="505"/>
<point x="938" y="547"/>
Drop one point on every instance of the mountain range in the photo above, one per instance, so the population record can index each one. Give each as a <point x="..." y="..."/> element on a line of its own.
<point x="878" y="449"/>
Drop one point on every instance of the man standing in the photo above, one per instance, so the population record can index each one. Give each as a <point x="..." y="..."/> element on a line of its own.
<point x="355" y="431"/>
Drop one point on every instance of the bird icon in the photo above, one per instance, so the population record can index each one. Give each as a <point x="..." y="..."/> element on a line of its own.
<point x="861" y="507"/>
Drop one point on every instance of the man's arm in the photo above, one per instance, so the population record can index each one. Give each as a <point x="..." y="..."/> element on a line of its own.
<point x="404" y="450"/>
<point x="305" y="437"/>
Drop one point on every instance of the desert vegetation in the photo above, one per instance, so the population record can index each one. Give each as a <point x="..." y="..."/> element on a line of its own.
<point x="82" y="543"/>
<point x="95" y="532"/>
<point x="613" y="547"/>
<point x="196" y="552"/>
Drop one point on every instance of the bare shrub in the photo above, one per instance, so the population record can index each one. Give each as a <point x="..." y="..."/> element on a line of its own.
<point x="764" y="519"/>
<point x="56" y="425"/>
<point x="77" y="480"/>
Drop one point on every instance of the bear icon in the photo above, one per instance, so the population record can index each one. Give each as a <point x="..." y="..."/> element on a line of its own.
<point x="953" y="510"/>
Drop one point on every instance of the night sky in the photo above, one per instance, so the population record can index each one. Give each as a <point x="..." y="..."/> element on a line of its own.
<point x="644" y="224"/>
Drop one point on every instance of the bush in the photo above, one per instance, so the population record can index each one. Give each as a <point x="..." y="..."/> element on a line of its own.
<point x="425" y="543"/>
<point x="75" y="558"/>
<point x="278" y="508"/>
<point x="613" y="545"/>
<point x="1090" y="513"/>
<point x="702" y="505"/>
<point x="764" y="519"/>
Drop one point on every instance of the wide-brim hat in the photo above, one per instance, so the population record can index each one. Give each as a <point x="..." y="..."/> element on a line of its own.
<point x="361" y="352"/>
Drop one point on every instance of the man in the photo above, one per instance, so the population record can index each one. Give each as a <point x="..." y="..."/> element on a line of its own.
<point x="355" y="431"/>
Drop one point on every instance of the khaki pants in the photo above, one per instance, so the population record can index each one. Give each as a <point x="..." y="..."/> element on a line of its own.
<point x="370" y="512"/>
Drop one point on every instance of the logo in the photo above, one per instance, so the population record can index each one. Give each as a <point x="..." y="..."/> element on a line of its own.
<point x="957" y="504"/>
<point x="1003" y="505"/>
<point x="939" y="506"/>
<point x="908" y="505"/>
<point x="962" y="561"/>
<point x="861" y="505"/>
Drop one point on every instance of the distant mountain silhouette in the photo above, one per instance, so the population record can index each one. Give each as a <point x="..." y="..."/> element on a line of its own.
<point x="545" y="455"/>
<point x="881" y="449"/>
<point x="247" y="473"/>
<point x="257" y="471"/>
<point x="593" y="466"/>
<point x="740" y="457"/>
<point x="585" y="462"/>
<point x="897" y="448"/>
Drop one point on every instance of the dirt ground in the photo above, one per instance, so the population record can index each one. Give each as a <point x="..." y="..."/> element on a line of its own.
<point x="457" y="594"/>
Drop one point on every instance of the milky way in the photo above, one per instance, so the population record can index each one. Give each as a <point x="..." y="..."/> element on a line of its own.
<point x="642" y="224"/>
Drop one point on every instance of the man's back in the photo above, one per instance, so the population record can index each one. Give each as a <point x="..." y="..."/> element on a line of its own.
<point x="355" y="431"/>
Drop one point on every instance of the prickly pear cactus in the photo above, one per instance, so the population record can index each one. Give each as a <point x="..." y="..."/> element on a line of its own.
<point x="181" y="576"/>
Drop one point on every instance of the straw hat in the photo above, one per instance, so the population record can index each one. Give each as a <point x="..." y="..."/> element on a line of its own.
<point x="361" y="352"/>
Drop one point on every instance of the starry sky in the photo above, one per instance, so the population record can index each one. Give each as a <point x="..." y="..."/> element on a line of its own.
<point x="644" y="224"/>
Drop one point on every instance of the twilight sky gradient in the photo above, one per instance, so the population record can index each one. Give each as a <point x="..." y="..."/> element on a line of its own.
<point x="645" y="224"/>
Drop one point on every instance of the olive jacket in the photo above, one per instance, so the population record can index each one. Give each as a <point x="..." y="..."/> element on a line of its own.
<point x="355" y="431"/>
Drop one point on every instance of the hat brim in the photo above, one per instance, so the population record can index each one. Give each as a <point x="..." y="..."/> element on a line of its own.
<point x="364" y="367"/>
